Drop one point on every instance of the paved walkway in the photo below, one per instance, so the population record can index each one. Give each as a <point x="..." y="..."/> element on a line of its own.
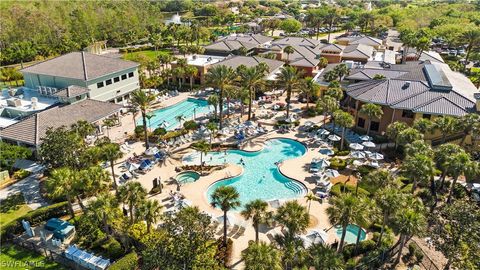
<point x="29" y="188"/>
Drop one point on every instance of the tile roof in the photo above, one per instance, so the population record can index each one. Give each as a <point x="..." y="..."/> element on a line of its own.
<point x="249" y="61"/>
<point x="232" y="43"/>
<point x="31" y="129"/>
<point x="80" y="65"/>
<point x="358" y="51"/>
<point x="72" y="91"/>
<point x="369" y="73"/>
<point x="361" y="39"/>
<point x="302" y="56"/>
<point x="297" y="41"/>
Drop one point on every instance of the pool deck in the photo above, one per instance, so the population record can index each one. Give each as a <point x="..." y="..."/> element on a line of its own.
<point x="296" y="168"/>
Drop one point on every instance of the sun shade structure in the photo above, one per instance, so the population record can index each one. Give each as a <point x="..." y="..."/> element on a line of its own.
<point x="356" y="146"/>
<point x="332" y="173"/>
<point x="357" y="154"/>
<point x="375" y="156"/>
<point x="368" y="144"/>
<point x="334" y="138"/>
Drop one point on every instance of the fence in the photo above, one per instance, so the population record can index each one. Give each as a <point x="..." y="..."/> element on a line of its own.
<point x="51" y="255"/>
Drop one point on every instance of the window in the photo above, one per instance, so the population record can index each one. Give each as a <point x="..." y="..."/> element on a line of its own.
<point x="108" y="82"/>
<point x="116" y="79"/>
<point x="407" y="114"/>
<point x="100" y="85"/>
<point x="374" y="126"/>
<point x="130" y="74"/>
<point x="427" y="116"/>
<point x="124" y="77"/>
<point x="361" y="122"/>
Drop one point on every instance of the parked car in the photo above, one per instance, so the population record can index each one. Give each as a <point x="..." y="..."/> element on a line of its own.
<point x="452" y="52"/>
<point x="461" y="51"/>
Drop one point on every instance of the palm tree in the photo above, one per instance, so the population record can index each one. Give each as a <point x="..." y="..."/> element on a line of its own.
<point x="409" y="39"/>
<point x="468" y="124"/>
<point x="90" y="182"/>
<point x="394" y="129"/>
<point x="221" y="77"/>
<point x="472" y="36"/>
<point x="288" y="50"/>
<point x="226" y="198"/>
<point x="191" y="72"/>
<point x="345" y="120"/>
<point x="388" y="201"/>
<point x="446" y="125"/>
<point x="289" y="78"/>
<point x="132" y="194"/>
<point x="143" y="101"/>
<point x="179" y="119"/>
<point x="256" y="210"/>
<point x="423" y="125"/>
<point x="151" y="211"/>
<point x="371" y="111"/>
<point x="408" y="135"/>
<point x="310" y="89"/>
<point x="294" y="217"/>
<point x="340" y="212"/>
<point x="83" y="128"/>
<point x="362" y="216"/>
<point x="419" y="168"/>
<point x="203" y="147"/>
<point x="261" y="256"/>
<point x="341" y="70"/>
<point x="111" y="152"/>
<point x="179" y="73"/>
<point x="323" y="62"/>
<point x="409" y="220"/>
<point x="252" y="78"/>
<point x="327" y="106"/>
<point x="321" y="256"/>
<point x="330" y="18"/>
<point x="105" y="210"/>
<point x="418" y="147"/>
<point x="212" y="127"/>
<point x="62" y="184"/>
<point x="213" y="101"/>
<point x="310" y="197"/>
<point x="457" y="165"/>
<point x="109" y="123"/>
<point x="334" y="91"/>
<point x="442" y="155"/>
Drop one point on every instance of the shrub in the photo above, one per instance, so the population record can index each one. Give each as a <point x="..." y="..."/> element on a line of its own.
<point x="364" y="170"/>
<point x="310" y="112"/>
<point x="285" y="123"/>
<point x="338" y="188"/>
<point x="159" y="131"/>
<point x="173" y="134"/>
<point x="20" y="174"/>
<point x="138" y="131"/>
<point x="34" y="217"/>
<point x="338" y="164"/>
<point x="110" y="249"/>
<point x="342" y="153"/>
<point x="190" y="125"/>
<point x="128" y="262"/>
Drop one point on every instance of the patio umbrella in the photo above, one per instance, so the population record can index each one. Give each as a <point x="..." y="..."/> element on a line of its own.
<point x="375" y="156"/>
<point x="368" y="144"/>
<point x="326" y="151"/>
<point x="230" y="219"/>
<point x="151" y="151"/>
<point x="323" y="163"/>
<point x="334" y="138"/>
<point x="132" y="166"/>
<point x="290" y="119"/>
<point x="356" y="146"/>
<point x="357" y="163"/>
<point x="323" y="132"/>
<point x="332" y="173"/>
<point x="357" y="154"/>
<point x="365" y="138"/>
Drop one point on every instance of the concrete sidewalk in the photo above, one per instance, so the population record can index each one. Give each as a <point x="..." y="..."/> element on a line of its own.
<point x="29" y="187"/>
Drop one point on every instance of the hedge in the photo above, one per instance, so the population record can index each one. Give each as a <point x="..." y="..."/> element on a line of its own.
<point x="338" y="164"/>
<point x="35" y="217"/>
<point x="363" y="247"/>
<point x="337" y="189"/>
<point x="128" y="262"/>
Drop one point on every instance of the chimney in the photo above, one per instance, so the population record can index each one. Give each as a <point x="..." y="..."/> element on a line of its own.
<point x="84" y="66"/>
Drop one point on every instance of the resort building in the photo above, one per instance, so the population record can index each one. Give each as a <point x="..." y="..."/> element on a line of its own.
<point x="421" y="89"/>
<point x="30" y="130"/>
<point x="251" y="61"/>
<point x="303" y="57"/>
<point x="202" y="63"/>
<point x="297" y="41"/>
<point x="232" y="44"/>
<point x="360" y="39"/>
<point x="108" y="79"/>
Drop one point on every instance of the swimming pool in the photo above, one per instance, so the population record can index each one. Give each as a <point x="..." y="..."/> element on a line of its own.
<point x="166" y="117"/>
<point x="351" y="235"/>
<point x="261" y="178"/>
<point x="187" y="177"/>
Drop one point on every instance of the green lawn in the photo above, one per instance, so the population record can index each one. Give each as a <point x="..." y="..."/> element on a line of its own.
<point x="12" y="208"/>
<point x="13" y="257"/>
<point x="150" y="54"/>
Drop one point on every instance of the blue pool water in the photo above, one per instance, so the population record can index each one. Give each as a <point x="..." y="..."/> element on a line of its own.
<point x="187" y="108"/>
<point x="261" y="178"/>
<point x="351" y="235"/>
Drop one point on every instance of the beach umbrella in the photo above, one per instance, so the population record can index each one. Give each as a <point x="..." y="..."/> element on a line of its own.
<point x="323" y="163"/>
<point x="332" y="173"/>
<point x="323" y="132"/>
<point x="356" y="146"/>
<point x="326" y="151"/>
<point x="368" y="144"/>
<point x="309" y="124"/>
<point x="151" y="151"/>
<point x="375" y="156"/>
<point x="357" y="154"/>
<point x="334" y="138"/>
<point x="365" y="138"/>
<point x="230" y="219"/>
<point x="132" y="166"/>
